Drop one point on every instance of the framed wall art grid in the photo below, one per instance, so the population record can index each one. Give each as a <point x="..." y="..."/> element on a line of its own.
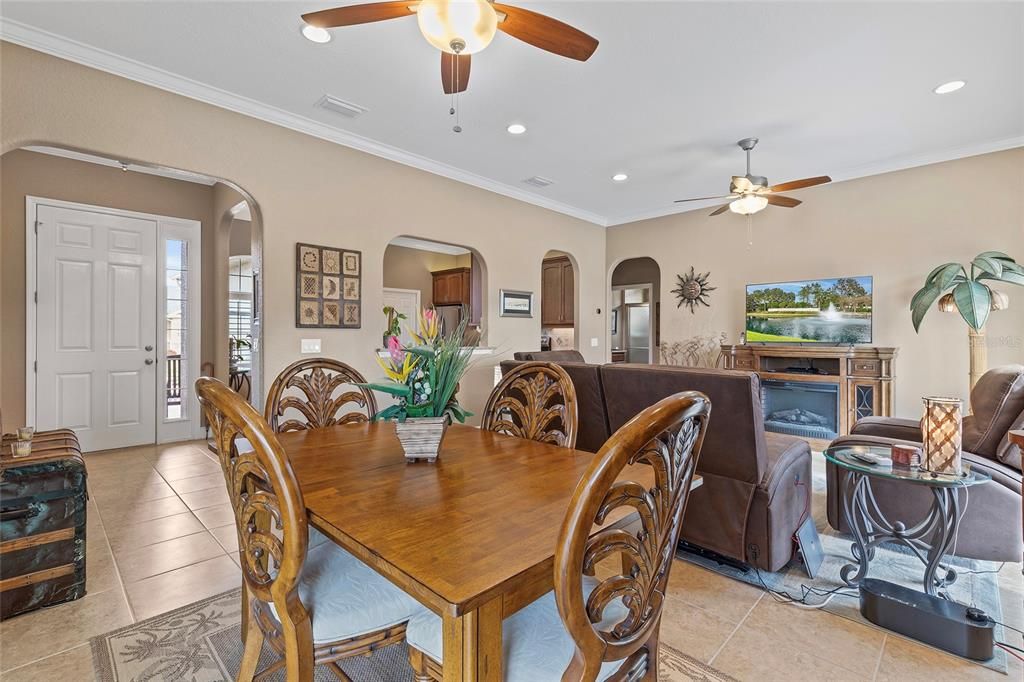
<point x="328" y="287"/>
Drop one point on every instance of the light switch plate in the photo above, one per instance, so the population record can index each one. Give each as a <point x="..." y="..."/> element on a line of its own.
<point x="310" y="346"/>
<point x="593" y="342"/>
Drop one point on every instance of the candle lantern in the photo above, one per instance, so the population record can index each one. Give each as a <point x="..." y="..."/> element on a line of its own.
<point x="942" y="435"/>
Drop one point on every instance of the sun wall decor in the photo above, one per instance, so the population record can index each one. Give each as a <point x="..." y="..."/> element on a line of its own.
<point x="693" y="289"/>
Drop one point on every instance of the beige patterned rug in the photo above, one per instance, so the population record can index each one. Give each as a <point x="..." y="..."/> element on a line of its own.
<point x="201" y="642"/>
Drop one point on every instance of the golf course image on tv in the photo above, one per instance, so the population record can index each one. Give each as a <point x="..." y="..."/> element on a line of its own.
<point x="836" y="311"/>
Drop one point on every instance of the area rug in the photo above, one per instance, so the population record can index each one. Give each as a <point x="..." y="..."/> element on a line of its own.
<point x="976" y="585"/>
<point x="201" y="642"/>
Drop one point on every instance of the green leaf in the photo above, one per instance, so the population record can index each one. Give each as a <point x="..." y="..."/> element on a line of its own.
<point x="990" y="265"/>
<point x="934" y="273"/>
<point x="921" y="303"/>
<point x="995" y="254"/>
<point x="1009" y="265"/>
<point x="425" y="352"/>
<point x="974" y="301"/>
<point x="422" y="410"/>
<point x="945" y="277"/>
<point x="390" y="388"/>
<point x="1007" y="276"/>
<point x="389" y="412"/>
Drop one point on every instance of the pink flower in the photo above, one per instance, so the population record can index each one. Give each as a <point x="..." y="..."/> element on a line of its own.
<point x="395" y="349"/>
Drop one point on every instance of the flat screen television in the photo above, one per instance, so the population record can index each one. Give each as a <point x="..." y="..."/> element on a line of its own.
<point x="829" y="311"/>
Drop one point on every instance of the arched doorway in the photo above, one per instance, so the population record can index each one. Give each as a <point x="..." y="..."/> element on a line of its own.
<point x="147" y="329"/>
<point x="635" y="311"/>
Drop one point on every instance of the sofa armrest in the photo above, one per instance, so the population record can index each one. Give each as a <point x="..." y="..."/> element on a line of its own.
<point x="888" y="427"/>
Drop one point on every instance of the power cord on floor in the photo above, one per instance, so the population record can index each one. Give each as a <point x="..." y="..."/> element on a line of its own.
<point x="1015" y="648"/>
<point x="783" y="597"/>
<point x="1009" y="627"/>
<point x="1009" y="650"/>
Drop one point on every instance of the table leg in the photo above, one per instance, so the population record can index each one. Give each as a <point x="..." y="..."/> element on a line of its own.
<point x="855" y="508"/>
<point x="947" y="504"/>
<point x="870" y="528"/>
<point x="472" y="644"/>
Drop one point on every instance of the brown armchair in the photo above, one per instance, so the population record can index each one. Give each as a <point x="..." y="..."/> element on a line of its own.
<point x="990" y="528"/>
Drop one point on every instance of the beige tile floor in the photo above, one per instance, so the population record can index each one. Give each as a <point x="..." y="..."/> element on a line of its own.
<point x="159" y="537"/>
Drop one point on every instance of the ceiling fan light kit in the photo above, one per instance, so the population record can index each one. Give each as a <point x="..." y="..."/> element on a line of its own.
<point x="750" y="193"/>
<point x="748" y="204"/>
<point x="457" y="27"/>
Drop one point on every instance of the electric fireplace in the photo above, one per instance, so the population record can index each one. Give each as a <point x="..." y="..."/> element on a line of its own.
<point x="801" y="408"/>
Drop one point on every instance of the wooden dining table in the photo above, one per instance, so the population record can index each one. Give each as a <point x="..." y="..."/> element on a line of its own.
<point x="472" y="537"/>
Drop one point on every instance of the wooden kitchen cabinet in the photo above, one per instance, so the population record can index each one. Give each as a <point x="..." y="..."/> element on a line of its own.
<point x="452" y="287"/>
<point x="557" y="302"/>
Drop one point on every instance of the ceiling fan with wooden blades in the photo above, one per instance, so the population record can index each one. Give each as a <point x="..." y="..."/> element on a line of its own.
<point x="749" y="194"/>
<point x="460" y="28"/>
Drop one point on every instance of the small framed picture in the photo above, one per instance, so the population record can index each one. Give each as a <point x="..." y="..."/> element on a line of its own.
<point x="515" y="303"/>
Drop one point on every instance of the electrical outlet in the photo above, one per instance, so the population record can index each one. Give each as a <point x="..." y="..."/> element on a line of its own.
<point x="310" y="346"/>
<point x="594" y="342"/>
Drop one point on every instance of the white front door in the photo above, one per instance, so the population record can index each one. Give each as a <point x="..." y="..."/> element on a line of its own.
<point x="96" y="333"/>
<point x="407" y="302"/>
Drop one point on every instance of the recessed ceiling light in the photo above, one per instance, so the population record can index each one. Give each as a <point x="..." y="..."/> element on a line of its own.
<point x="620" y="177"/>
<point x="516" y="129"/>
<point x="316" y="34"/>
<point x="951" y="86"/>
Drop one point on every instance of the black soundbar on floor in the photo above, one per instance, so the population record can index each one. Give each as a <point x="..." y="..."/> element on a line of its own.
<point x="947" y="625"/>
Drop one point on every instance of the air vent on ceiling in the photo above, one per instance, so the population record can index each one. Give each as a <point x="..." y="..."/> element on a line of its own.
<point x="340" y="106"/>
<point x="538" y="181"/>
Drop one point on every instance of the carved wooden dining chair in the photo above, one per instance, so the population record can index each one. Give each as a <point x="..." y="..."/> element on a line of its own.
<point x="312" y="605"/>
<point x="602" y="629"/>
<point x="326" y="392"/>
<point x="536" y="401"/>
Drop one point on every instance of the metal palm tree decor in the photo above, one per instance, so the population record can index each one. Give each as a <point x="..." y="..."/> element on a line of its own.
<point x="964" y="290"/>
<point x="693" y="289"/>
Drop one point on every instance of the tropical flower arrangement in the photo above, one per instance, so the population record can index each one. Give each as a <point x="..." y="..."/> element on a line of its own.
<point x="424" y="376"/>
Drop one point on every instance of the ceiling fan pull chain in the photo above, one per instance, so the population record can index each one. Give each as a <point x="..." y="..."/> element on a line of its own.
<point x="455" y="96"/>
<point x="451" y="109"/>
<point x="750" y="227"/>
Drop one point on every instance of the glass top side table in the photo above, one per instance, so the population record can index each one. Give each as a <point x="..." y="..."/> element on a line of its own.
<point x="929" y="539"/>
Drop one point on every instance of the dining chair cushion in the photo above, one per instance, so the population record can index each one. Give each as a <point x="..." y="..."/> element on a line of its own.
<point x="346" y="598"/>
<point x="535" y="644"/>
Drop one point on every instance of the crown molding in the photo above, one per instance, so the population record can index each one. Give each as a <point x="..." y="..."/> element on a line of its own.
<point x="862" y="171"/>
<point x="102" y="60"/>
<point x="71" y="50"/>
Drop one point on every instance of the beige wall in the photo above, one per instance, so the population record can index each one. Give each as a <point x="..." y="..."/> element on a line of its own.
<point x="306" y="190"/>
<point x="29" y="173"/>
<point x="895" y="227"/>
<point x="240" y="243"/>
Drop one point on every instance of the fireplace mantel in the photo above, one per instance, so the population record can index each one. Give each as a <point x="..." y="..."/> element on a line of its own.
<point x="864" y="374"/>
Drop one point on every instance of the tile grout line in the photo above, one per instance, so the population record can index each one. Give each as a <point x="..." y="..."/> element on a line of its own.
<point x="735" y="629"/>
<point x="881" y="652"/>
<point x="117" y="568"/>
<point x="46" y="657"/>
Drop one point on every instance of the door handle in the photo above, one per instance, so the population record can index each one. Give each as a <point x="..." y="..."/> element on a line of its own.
<point x="149" y="361"/>
<point x="149" y="348"/>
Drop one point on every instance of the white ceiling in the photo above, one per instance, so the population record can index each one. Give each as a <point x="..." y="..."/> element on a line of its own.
<point x="839" y="88"/>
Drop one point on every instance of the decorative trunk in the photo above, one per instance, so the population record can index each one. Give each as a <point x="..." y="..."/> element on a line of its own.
<point x="421" y="436"/>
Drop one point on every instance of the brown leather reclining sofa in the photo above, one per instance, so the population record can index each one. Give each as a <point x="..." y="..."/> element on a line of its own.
<point x="756" y="484"/>
<point x="990" y="526"/>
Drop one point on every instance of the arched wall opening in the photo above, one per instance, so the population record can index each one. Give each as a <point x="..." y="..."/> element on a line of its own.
<point x="634" y="311"/>
<point x="559" y="302"/>
<point x="172" y="199"/>
<point x="450" y="278"/>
